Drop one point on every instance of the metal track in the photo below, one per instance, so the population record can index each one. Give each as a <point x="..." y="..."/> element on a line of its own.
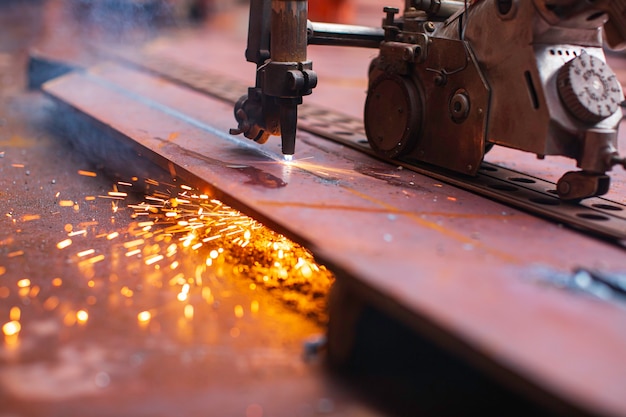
<point x="598" y="216"/>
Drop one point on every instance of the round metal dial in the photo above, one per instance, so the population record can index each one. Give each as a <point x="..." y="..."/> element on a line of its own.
<point x="393" y="115"/>
<point x="589" y="89"/>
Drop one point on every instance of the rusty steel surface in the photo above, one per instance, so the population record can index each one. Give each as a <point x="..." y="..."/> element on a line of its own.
<point x="457" y="264"/>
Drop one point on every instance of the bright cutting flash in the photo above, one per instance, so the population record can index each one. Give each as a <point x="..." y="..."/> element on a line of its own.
<point x="288" y="158"/>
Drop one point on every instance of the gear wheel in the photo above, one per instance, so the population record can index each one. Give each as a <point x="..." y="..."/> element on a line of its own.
<point x="393" y="115"/>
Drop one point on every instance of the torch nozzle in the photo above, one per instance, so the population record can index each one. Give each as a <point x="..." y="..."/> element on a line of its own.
<point x="288" y="125"/>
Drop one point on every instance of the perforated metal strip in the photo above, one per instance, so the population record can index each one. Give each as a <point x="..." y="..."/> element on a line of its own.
<point x="597" y="216"/>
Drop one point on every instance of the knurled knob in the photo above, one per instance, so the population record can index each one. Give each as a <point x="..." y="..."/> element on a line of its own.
<point x="589" y="88"/>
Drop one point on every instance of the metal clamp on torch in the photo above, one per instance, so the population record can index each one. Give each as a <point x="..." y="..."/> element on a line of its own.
<point x="283" y="75"/>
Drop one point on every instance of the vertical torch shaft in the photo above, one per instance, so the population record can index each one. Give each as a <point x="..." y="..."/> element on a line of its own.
<point x="289" y="24"/>
<point x="288" y="44"/>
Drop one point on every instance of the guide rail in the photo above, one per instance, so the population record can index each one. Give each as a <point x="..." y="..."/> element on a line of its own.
<point x="596" y="216"/>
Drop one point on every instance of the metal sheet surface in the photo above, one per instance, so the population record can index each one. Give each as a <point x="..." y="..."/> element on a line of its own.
<point x="453" y="261"/>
